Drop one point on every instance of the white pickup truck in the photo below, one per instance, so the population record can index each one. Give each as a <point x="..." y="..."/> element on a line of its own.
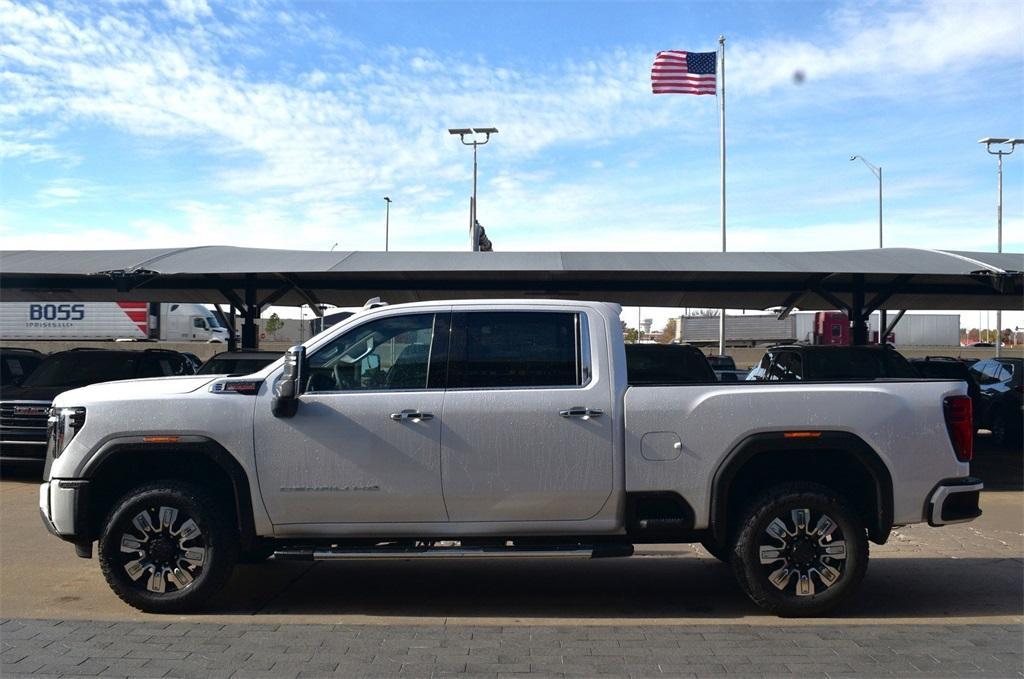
<point x="496" y="428"/>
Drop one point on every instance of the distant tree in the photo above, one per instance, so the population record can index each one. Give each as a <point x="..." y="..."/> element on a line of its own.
<point x="668" y="334"/>
<point x="705" y="313"/>
<point x="629" y="334"/>
<point x="273" y="324"/>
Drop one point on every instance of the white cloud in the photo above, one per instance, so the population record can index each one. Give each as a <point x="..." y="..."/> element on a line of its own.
<point x="189" y="10"/>
<point x="882" y="51"/>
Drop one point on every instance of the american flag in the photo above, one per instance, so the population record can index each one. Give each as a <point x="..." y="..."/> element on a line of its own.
<point x="678" y="72"/>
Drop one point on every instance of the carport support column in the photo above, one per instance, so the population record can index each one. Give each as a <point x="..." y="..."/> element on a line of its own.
<point x="250" y="332"/>
<point x="858" y="320"/>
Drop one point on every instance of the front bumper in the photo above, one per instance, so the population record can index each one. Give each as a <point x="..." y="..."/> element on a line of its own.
<point x="954" y="501"/>
<point x="63" y="507"/>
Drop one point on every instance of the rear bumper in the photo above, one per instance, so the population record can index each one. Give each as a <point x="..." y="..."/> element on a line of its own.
<point x="955" y="501"/>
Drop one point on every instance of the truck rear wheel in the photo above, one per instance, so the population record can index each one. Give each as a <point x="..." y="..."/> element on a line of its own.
<point x="801" y="550"/>
<point x="167" y="546"/>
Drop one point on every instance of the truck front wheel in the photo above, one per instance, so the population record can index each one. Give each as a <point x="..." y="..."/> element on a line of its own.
<point x="801" y="551"/>
<point x="167" y="546"/>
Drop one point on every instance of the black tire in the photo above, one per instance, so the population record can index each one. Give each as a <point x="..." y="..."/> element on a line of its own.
<point x="720" y="552"/>
<point x="826" y="578"/>
<point x="203" y="574"/>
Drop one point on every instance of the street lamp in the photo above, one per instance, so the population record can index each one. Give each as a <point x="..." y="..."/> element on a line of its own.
<point x="989" y="142"/>
<point x="387" y="221"/>
<point x="462" y="133"/>
<point x="877" y="171"/>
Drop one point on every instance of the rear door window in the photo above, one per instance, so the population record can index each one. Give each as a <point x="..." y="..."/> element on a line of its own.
<point x="507" y="349"/>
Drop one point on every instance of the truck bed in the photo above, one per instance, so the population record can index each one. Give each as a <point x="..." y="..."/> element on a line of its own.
<point x="677" y="437"/>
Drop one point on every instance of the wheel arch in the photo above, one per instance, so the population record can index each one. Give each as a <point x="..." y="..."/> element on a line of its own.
<point x="124" y="463"/>
<point x="840" y="460"/>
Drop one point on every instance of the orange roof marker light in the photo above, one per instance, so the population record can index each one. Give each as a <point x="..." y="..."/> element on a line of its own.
<point x="159" y="439"/>
<point x="802" y="434"/>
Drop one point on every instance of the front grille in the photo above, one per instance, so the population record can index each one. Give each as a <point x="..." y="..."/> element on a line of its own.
<point x="23" y="428"/>
<point x="25" y="415"/>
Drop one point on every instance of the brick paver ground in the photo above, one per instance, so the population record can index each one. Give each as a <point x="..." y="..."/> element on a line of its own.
<point x="190" y="649"/>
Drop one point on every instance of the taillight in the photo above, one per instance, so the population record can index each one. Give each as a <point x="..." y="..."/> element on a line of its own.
<point x="960" y="423"/>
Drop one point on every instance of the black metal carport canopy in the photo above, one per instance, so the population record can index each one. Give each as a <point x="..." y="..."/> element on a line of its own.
<point x="249" y="279"/>
<point x="892" y="278"/>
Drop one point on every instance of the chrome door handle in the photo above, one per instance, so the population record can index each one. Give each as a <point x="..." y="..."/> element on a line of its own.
<point x="412" y="415"/>
<point x="585" y="413"/>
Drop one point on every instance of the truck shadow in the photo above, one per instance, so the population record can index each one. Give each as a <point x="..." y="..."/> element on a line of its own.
<point x="646" y="587"/>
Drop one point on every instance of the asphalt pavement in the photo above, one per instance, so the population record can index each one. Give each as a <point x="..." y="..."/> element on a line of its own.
<point x="935" y="602"/>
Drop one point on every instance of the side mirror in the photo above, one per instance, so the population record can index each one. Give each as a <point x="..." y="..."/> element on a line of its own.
<point x="288" y="388"/>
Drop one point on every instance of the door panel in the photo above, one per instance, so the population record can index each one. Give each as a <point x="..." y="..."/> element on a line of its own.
<point x="507" y="455"/>
<point x="365" y="442"/>
<point x="508" y="451"/>
<point x="343" y="459"/>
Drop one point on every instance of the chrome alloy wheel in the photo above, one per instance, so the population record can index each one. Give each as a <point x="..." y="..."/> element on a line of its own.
<point x="802" y="558"/>
<point x="163" y="548"/>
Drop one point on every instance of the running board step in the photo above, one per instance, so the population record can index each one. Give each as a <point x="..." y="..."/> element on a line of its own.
<point x="598" y="551"/>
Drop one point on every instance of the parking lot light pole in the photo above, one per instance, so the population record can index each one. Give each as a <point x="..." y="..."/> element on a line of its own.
<point x="387" y="221"/>
<point x="877" y="171"/>
<point x="462" y="133"/>
<point x="1000" y="143"/>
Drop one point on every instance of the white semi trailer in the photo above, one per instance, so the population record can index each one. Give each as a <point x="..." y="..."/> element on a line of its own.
<point x="166" y="321"/>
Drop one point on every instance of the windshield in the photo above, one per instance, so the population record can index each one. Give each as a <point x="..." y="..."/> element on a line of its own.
<point x="77" y="369"/>
<point x="213" y="322"/>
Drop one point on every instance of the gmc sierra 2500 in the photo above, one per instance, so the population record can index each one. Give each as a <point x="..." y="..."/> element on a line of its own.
<point x="496" y="428"/>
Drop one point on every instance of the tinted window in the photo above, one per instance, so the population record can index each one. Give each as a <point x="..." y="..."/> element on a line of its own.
<point x="760" y="372"/>
<point x="15" y="369"/>
<point x="788" y="367"/>
<point x="1003" y="372"/>
<point x="855" y="363"/>
<point x="666" y="364"/>
<point x="161" y="366"/>
<point x="942" y="369"/>
<point x="79" y="368"/>
<point x="230" y="365"/>
<point x="514" y="349"/>
<point x="984" y="371"/>
<point x="390" y="353"/>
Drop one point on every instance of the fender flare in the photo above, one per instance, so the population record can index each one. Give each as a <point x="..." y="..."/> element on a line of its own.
<point x="768" y="442"/>
<point x="201" y="445"/>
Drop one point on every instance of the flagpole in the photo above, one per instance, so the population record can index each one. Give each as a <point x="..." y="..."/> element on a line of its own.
<point x="721" y="140"/>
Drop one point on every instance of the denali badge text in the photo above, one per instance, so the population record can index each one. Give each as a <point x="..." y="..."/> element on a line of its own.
<point x="321" y="489"/>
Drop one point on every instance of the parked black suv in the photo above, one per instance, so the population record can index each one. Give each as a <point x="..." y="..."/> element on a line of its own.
<point x="949" y="368"/>
<point x="25" y="408"/>
<point x="999" y="411"/>
<point x="789" y="363"/>
<point x="17" y="364"/>
<point x="238" y="362"/>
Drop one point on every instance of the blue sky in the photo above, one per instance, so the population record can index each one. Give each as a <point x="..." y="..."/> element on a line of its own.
<point x="133" y="124"/>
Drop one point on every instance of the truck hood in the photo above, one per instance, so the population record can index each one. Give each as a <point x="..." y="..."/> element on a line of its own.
<point x="122" y="390"/>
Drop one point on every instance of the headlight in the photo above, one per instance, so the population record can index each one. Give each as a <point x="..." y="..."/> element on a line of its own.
<point x="61" y="427"/>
